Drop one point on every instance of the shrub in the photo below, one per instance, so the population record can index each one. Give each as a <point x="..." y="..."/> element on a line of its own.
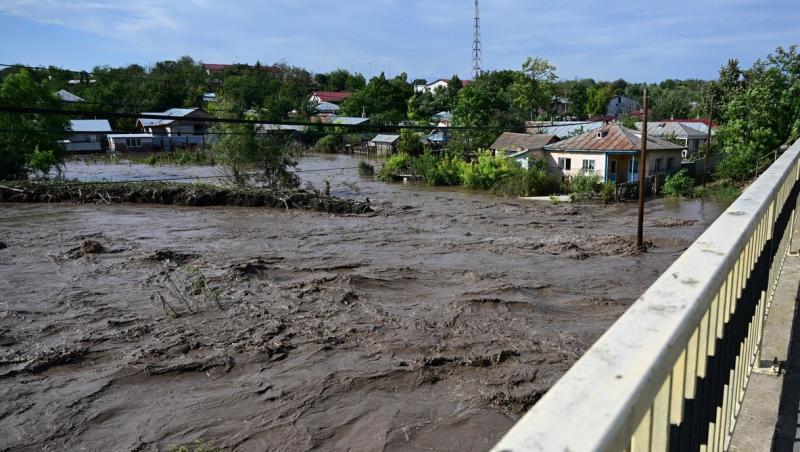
<point x="678" y="185"/>
<point x="585" y="183"/>
<point x="365" y="169"/>
<point x="608" y="192"/>
<point x="535" y="181"/>
<point x="393" y="164"/>
<point x="328" y="143"/>
<point x="487" y="172"/>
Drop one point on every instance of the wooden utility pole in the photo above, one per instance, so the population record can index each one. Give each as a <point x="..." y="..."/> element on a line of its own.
<point x="708" y="138"/>
<point x="642" y="176"/>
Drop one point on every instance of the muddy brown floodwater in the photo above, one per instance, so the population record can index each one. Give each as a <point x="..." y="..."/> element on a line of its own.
<point x="432" y="324"/>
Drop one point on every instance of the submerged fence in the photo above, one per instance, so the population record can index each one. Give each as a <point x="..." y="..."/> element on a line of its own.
<point x="671" y="373"/>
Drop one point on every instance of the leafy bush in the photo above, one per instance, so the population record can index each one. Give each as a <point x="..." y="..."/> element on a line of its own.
<point x="365" y="169"/>
<point x="393" y="164"/>
<point x="678" y="185"/>
<point x="608" y="192"/>
<point x="487" y="172"/>
<point x="585" y="183"/>
<point x="328" y="143"/>
<point x="535" y="181"/>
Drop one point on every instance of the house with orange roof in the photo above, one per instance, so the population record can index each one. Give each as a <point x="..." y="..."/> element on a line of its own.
<point x="612" y="152"/>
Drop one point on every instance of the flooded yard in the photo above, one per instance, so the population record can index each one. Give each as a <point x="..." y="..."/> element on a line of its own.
<point x="431" y="324"/>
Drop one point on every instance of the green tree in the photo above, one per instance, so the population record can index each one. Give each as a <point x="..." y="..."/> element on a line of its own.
<point x="383" y="100"/>
<point x="29" y="142"/>
<point x="598" y="98"/>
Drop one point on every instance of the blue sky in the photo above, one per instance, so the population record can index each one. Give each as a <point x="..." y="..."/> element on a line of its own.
<point x="635" y="40"/>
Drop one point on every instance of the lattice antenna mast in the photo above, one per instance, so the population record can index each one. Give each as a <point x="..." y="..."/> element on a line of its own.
<point x="476" y="44"/>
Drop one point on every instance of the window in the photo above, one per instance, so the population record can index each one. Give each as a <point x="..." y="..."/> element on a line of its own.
<point x="178" y="133"/>
<point x="564" y="163"/>
<point x="670" y="162"/>
<point x="588" y="166"/>
<point x="633" y="166"/>
<point x="659" y="161"/>
<point x="133" y="142"/>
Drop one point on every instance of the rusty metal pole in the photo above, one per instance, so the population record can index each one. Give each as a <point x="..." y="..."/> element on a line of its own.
<point x="708" y="139"/>
<point x="642" y="176"/>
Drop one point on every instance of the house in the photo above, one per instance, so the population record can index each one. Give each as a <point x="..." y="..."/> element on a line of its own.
<point x="677" y="132"/>
<point x="326" y="108"/>
<point x="334" y="97"/>
<point x="67" y="96"/>
<point x="512" y="143"/>
<point x="434" y="85"/>
<point x="348" y="120"/>
<point x="384" y="144"/>
<point x="621" y="106"/>
<point x="611" y="152"/>
<point x="562" y="129"/>
<point x="209" y="97"/>
<point x="130" y="142"/>
<point x="87" y="135"/>
<point x="188" y="127"/>
<point x="701" y="124"/>
<point x="438" y="138"/>
<point x="443" y="119"/>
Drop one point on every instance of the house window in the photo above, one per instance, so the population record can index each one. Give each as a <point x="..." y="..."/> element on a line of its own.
<point x="564" y="163"/>
<point x="670" y="162"/>
<point x="659" y="161"/>
<point x="178" y="133"/>
<point x="133" y="142"/>
<point x="588" y="166"/>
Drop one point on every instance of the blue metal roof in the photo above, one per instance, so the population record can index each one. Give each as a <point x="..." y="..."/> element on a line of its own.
<point x="89" y="125"/>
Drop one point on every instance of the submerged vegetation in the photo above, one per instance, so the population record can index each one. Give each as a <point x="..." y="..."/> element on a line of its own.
<point x="497" y="173"/>
<point x="178" y="194"/>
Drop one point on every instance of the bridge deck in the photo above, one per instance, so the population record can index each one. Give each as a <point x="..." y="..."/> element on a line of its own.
<point x="762" y="426"/>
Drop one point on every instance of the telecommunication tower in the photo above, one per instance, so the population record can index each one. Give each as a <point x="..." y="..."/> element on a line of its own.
<point x="476" y="44"/>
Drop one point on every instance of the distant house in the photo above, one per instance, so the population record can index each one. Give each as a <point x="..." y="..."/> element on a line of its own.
<point x="443" y="119"/>
<point x="67" y="96"/>
<point x="326" y="108"/>
<point x="130" y="142"/>
<point x="562" y="129"/>
<point x="348" y="120"/>
<point x="440" y="83"/>
<point x="700" y="124"/>
<point x="611" y="152"/>
<point x="621" y="106"/>
<point x="209" y="97"/>
<point x="188" y="127"/>
<point x="87" y="135"/>
<point x="334" y="97"/>
<point x="513" y="143"/>
<point x="384" y="144"/>
<point x="438" y="138"/>
<point x="689" y="137"/>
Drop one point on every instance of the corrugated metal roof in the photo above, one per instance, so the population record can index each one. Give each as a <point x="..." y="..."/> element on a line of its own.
<point x="130" y="135"/>
<point x="512" y="141"/>
<point x="385" y="138"/>
<point x="566" y="129"/>
<point x="68" y="96"/>
<point x="348" y="120"/>
<point x="676" y="129"/>
<point x="612" y="137"/>
<point x="89" y="125"/>
<point x="177" y="112"/>
<point x="327" y="107"/>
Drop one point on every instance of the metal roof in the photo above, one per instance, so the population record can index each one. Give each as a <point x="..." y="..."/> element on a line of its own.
<point x="327" y="107"/>
<point x="130" y="135"/>
<point x="676" y="129"/>
<point x="385" y="138"/>
<point x="89" y="125"/>
<point x="612" y="137"/>
<point x="330" y="96"/>
<point x="68" y="96"/>
<point x="510" y="140"/>
<point x="177" y="112"/>
<point x="566" y="129"/>
<point x="348" y="120"/>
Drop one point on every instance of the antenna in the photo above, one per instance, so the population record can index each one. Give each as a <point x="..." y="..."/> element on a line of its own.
<point x="476" y="44"/>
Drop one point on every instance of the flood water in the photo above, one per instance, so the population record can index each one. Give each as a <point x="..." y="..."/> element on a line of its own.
<point x="432" y="324"/>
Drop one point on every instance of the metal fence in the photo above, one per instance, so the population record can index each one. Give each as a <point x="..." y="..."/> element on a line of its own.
<point x="671" y="373"/>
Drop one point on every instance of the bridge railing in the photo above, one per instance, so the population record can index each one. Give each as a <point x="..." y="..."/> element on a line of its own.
<point x="671" y="373"/>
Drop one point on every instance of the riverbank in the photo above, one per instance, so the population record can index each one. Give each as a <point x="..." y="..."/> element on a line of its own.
<point x="180" y="194"/>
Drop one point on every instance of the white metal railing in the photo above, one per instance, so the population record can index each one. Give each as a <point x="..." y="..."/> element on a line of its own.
<point x="671" y="373"/>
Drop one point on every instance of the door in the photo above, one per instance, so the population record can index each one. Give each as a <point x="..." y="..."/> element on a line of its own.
<point x="612" y="171"/>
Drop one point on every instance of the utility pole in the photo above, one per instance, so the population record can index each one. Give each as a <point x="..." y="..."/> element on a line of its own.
<point x="642" y="177"/>
<point x="708" y="138"/>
